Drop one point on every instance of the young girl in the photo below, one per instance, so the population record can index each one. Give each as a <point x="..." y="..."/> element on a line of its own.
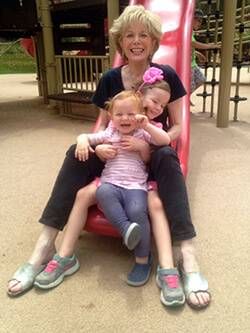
<point x="132" y="223"/>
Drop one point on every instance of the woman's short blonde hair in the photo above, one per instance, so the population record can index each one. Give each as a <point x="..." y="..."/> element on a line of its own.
<point x="135" y="97"/>
<point x="136" y="13"/>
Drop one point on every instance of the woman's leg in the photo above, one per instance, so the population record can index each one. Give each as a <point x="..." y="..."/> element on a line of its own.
<point x="42" y="253"/>
<point x="165" y="167"/>
<point x="166" y="170"/>
<point x="200" y="298"/>
<point x="72" y="176"/>
<point x="85" y="198"/>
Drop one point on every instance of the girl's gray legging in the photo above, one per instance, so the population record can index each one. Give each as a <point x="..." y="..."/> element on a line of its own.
<point x="123" y="206"/>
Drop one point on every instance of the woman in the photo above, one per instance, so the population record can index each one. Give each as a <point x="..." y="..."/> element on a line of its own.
<point x="136" y="34"/>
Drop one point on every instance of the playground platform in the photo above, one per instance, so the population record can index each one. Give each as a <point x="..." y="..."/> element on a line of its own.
<point x="33" y="141"/>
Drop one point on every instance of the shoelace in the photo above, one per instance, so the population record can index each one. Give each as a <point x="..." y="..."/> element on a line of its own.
<point x="52" y="265"/>
<point x="172" y="281"/>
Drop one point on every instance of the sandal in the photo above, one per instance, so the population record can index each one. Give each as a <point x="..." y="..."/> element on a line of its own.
<point x="25" y="275"/>
<point x="194" y="282"/>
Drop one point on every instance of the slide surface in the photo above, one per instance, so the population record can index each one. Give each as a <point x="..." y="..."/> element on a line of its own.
<point x="174" y="50"/>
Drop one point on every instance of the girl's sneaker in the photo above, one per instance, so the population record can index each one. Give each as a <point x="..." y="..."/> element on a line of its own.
<point x="171" y="290"/>
<point x="55" y="271"/>
<point x="132" y="236"/>
<point x="140" y="273"/>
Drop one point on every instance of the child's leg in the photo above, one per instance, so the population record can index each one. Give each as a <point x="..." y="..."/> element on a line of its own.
<point x="167" y="276"/>
<point x="85" y="198"/>
<point x="64" y="263"/>
<point x="161" y="230"/>
<point x="110" y="199"/>
<point x="135" y="205"/>
<point x="136" y="209"/>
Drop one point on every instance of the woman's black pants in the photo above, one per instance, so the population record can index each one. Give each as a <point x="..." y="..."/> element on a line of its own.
<point x="164" y="168"/>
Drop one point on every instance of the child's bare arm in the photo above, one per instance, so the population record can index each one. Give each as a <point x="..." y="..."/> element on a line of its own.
<point x="159" y="137"/>
<point x="204" y="46"/>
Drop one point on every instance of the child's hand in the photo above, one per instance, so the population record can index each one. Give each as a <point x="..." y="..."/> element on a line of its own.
<point x="214" y="46"/>
<point x="131" y="143"/>
<point x="82" y="148"/>
<point x="141" y="121"/>
<point x="105" y="151"/>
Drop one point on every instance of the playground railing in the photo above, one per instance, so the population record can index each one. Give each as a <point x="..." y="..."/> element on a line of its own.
<point x="79" y="73"/>
<point x="77" y="79"/>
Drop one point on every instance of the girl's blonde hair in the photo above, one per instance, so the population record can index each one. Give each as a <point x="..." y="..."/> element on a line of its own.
<point x="124" y="95"/>
<point x="136" y="13"/>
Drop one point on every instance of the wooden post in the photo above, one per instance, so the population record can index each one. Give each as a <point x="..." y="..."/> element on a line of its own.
<point x="48" y="41"/>
<point x="226" y="62"/>
<point x="113" y="13"/>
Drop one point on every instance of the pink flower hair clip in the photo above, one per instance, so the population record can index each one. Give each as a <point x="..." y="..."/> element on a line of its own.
<point x="151" y="75"/>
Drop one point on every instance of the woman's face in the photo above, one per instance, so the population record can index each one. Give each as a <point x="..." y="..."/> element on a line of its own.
<point x="154" y="102"/>
<point x="136" y="43"/>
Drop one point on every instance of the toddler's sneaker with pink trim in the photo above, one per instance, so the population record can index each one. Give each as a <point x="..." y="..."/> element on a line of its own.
<point x="55" y="271"/>
<point x="171" y="290"/>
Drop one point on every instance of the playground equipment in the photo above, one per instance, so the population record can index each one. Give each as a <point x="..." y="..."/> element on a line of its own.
<point x="241" y="53"/>
<point x="28" y="45"/>
<point x="60" y="26"/>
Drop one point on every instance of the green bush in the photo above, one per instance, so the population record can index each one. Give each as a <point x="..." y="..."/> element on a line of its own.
<point x="14" y="60"/>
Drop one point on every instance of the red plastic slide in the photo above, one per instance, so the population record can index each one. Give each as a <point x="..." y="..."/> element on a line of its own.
<point x="175" y="50"/>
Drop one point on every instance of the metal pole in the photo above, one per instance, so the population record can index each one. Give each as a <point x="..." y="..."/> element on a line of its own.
<point x="239" y="61"/>
<point x="226" y="62"/>
<point x="48" y="41"/>
<point x="113" y="13"/>
<point x="215" y="52"/>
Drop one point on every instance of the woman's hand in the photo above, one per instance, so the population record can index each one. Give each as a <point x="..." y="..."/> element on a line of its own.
<point x="82" y="148"/>
<point x="105" y="151"/>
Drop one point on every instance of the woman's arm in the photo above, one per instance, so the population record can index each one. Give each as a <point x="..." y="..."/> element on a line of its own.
<point x="175" y="116"/>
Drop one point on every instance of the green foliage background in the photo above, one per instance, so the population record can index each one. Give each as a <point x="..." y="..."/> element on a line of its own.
<point x="15" y="60"/>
